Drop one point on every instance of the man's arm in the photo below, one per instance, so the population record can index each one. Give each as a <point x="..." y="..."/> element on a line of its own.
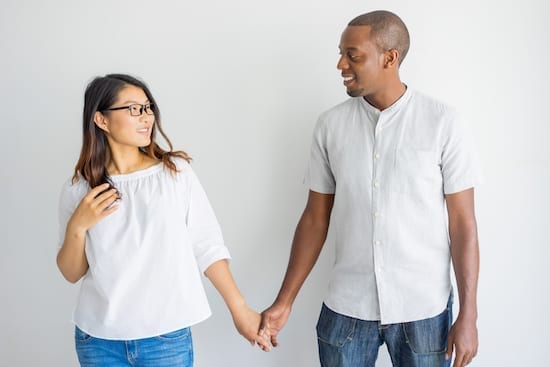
<point x="309" y="238"/>
<point x="465" y="256"/>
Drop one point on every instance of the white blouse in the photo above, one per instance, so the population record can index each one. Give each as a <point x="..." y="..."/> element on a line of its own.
<point x="147" y="257"/>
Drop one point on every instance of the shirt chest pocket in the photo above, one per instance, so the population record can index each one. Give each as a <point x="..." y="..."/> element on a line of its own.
<point x="416" y="171"/>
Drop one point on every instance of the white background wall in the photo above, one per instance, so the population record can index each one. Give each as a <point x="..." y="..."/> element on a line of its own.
<point x="241" y="84"/>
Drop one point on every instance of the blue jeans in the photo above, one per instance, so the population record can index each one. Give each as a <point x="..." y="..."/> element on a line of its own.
<point x="173" y="349"/>
<point x="348" y="342"/>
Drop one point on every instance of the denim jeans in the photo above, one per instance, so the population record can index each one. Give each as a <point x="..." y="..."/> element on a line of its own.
<point x="173" y="349"/>
<point x="348" y="342"/>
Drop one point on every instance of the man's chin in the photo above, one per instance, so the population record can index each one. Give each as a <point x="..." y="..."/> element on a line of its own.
<point x="353" y="92"/>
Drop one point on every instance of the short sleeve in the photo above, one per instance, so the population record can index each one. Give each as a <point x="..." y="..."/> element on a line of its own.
<point x="205" y="232"/>
<point x="70" y="196"/>
<point x="459" y="163"/>
<point x="319" y="176"/>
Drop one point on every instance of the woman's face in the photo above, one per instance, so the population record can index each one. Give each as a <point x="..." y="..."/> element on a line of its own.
<point x="121" y="127"/>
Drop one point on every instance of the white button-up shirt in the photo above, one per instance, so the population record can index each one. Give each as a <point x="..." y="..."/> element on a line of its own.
<point x="147" y="257"/>
<point x="389" y="171"/>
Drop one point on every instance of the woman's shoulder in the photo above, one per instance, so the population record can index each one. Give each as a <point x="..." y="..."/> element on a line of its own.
<point x="73" y="189"/>
<point x="182" y="165"/>
<point x="75" y="184"/>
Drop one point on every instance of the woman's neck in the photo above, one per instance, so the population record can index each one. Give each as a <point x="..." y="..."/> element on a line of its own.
<point x="123" y="162"/>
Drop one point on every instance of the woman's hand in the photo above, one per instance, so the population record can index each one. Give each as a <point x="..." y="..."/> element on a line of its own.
<point x="94" y="206"/>
<point x="247" y="322"/>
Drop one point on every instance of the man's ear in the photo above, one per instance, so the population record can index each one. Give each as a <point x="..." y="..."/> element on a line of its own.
<point x="391" y="58"/>
<point x="101" y="121"/>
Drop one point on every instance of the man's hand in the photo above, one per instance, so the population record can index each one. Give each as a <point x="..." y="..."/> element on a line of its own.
<point x="463" y="341"/>
<point x="274" y="319"/>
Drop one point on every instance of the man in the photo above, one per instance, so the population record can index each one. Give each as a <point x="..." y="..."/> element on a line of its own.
<point x="391" y="167"/>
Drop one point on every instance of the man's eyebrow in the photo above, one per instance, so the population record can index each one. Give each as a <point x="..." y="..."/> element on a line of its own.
<point x="348" y="48"/>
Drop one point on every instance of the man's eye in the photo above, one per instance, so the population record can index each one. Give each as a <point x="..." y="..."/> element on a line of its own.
<point x="135" y="107"/>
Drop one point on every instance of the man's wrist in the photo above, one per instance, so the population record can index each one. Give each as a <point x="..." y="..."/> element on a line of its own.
<point x="467" y="315"/>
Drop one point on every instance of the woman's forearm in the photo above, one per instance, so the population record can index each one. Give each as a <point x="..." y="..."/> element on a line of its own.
<point x="222" y="279"/>
<point x="71" y="258"/>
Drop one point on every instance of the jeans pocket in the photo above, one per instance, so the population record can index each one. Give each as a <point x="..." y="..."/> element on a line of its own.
<point x="428" y="336"/>
<point x="335" y="329"/>
<point x="176" y="335"/>
<point x="81" y="336"/>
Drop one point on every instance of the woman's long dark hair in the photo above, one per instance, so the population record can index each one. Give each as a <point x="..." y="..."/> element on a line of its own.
<point x="101" y="94"/>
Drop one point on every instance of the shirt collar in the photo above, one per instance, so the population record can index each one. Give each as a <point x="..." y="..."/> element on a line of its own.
<point x="396" y="106"/>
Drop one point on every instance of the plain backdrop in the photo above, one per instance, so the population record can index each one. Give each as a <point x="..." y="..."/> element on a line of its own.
<point x="240" y="85"/>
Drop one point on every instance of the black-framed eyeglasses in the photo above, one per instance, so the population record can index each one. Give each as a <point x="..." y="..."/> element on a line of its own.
<point x="136" y="109"/>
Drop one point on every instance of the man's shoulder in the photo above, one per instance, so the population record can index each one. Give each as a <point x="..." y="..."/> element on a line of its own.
<point x="340" y="109"/>
<point x="428" y="104"/>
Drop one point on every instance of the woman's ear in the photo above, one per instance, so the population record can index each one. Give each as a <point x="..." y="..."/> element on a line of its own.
<point x="101" y="121"/>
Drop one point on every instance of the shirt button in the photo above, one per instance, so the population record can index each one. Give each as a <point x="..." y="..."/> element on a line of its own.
<point x="377" y="214"/>
<point x="377" y="242"/>
<point x="376" y="183"/>
<point x="376" y="155"/>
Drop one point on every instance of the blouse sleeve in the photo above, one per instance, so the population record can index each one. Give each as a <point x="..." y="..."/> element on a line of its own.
<point x="70" y="196"/>
<point x="204" y="230"/>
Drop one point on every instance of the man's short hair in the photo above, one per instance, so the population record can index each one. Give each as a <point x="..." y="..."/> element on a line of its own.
<point x="387" y="29"/>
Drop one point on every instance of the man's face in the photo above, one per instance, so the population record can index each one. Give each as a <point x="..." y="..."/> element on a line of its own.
<point x="361" y="63"/>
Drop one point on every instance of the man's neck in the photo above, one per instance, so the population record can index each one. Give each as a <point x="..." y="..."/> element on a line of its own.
<point x="388" y="96"/>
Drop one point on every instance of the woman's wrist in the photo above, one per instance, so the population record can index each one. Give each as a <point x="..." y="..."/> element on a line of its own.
<point x="74" y="236"/>
<point x="74" y="230"/>
<point x="236" y="304"/>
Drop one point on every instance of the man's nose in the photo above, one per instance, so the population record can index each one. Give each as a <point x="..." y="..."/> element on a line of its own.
<point x="342" y="63"/>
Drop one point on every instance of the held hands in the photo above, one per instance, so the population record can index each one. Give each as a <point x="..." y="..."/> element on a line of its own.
<point x="463" y="341"/>
<point x="246" y="320"/>
<point x="247" y="323"/>
<point x="274" y="319"/>
<point x="94" y="206"/>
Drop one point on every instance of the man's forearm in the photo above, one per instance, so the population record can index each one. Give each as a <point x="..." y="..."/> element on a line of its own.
<point x="309" y="238"/>
<point x="306" y="247"/>
<point x="464" y="250"/>
<point x="466" y="264"/>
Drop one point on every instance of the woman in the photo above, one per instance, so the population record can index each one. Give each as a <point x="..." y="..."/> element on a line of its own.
<point x="136" y="227"/>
